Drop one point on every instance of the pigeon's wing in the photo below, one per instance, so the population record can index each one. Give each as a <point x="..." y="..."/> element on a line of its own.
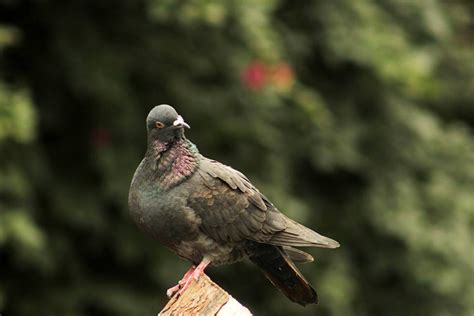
<point x="232" y="209"/>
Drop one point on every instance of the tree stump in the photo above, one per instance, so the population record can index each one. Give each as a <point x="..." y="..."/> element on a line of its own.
<point x="204" y="297"/>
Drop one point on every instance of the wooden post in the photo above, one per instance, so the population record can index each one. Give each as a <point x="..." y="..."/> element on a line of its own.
<point x="204" y="297"/>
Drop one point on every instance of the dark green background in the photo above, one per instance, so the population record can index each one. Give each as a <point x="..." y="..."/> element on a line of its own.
<point x="370" y="141"/>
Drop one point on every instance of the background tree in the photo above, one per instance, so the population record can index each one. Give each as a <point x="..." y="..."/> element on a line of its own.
<point x="354" y="117"/>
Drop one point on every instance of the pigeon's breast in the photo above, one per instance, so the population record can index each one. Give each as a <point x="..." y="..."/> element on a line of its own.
<point x="166" y="218"/>
<point x="162" y="215"/>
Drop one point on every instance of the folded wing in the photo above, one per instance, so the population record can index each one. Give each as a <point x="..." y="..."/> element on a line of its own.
<point x="232" y="209"/>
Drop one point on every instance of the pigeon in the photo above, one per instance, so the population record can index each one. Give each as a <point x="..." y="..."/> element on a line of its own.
<point x="211" y="214"/>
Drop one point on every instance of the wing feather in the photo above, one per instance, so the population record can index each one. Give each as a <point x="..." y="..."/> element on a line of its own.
<point x="232" y="210"/>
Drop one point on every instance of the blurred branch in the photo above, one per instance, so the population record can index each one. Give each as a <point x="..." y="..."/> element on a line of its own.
<point x="204" y="297"/>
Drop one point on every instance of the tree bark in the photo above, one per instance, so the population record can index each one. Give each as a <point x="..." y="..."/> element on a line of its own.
<point x="204" y="297"/>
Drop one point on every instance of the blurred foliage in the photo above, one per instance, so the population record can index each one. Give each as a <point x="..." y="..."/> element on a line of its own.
<point x="354" y="117"/>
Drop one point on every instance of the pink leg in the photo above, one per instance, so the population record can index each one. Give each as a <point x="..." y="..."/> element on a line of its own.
<point x="193" y="273"/>
<point x="200" y="268"/>
<point x="172" y="291"/>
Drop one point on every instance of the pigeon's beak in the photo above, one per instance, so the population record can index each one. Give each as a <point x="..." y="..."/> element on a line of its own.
<point x="179" y="122"/>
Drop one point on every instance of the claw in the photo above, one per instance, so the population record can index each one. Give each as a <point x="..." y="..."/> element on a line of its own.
<point x="192" y="274"/>
<point x="172" y="291"/>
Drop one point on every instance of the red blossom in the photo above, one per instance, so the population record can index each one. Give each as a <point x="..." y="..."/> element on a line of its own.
<point x="257" y="75"/>
<point x="254" y="76"/>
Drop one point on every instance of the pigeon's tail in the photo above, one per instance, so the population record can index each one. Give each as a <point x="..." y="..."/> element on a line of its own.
<point x="282" y="272"/>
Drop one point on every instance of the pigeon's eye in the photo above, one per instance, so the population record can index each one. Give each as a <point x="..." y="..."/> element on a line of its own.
<point x="158" y="124"/>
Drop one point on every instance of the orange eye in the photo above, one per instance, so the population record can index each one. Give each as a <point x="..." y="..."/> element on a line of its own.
<point x="158" y="124"/>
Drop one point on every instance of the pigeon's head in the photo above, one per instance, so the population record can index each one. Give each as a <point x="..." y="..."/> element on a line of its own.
<point x="165" y="124"/>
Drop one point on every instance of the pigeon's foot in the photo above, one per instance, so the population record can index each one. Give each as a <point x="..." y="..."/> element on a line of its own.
<point x="193" y="274"/>
<point x="173" y="290"/>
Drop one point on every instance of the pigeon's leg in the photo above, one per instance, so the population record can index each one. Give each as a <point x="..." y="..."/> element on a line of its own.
<point x="200" y="268"/>
<point x="171" y="291"/>
<point x="195" y="274"/>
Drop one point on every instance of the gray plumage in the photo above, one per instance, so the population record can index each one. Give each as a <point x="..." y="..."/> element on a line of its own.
<point x="198" y="207"/>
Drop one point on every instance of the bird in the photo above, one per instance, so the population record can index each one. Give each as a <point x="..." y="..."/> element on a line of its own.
<point x="211" y="214"/>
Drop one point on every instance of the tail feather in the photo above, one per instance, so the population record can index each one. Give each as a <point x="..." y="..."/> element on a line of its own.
<point x="297" y="235"/>
<point x="297" y="255"/>
<point x="282" y="272"/>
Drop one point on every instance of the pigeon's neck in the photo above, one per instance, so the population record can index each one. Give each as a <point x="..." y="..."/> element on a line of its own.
<point x="174" y="162"/>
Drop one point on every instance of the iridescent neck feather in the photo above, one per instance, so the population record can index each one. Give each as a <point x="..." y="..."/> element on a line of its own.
<point x="174" y="162"/>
